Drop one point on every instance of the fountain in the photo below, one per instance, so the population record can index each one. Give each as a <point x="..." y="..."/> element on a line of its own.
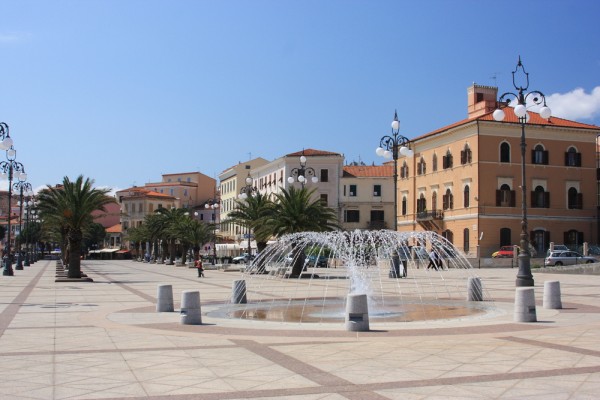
<point x="284" y="283"/>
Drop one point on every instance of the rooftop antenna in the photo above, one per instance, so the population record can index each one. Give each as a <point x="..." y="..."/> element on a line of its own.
<point x="494" y="77"/>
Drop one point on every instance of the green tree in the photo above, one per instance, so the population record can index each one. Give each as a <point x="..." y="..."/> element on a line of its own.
<point x="68" y="209"/>
<point x="94" y="233"/>
<point x="296" y="210"/>
<point x="191" y="233"/>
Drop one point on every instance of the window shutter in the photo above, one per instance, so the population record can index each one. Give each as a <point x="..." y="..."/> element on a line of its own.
<point x="579" y="201"/>
<point x="498" y="197"/>
<point x="546" y="199"/>
<point x="463" y="157"/>
<point x="533" y="199"/>
<point x="513" y="198"/>
<point x="578" y="159"/>
<point x="533" y="156"/>
<point x="545" y="157"/>
<point x="444" y="162"/>
<point x="567" y="158"/>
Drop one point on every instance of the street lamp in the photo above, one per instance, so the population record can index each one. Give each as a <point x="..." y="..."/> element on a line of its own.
<point x="214" y="205"/>
<point x="10" y="169"/>
<point x="21" y="186"/>
<point x="392" y="147"/>
<point x="245" y="192"/>
<point x="301" y="174"/>
<point x="524" y="276"/>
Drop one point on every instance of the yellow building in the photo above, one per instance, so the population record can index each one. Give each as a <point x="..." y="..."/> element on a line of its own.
<point x="464" y="180"/>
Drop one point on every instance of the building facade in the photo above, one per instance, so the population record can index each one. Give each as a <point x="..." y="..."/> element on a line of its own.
<point x="464" y="180"/>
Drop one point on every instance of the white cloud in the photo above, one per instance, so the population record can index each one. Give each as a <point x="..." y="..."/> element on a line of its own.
<point x="576" y="104"/>
<point x="13" y="37"/>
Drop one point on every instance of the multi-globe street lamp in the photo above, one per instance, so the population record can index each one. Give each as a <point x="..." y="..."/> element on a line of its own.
<point x="11" y="169"/>
<point x="30" y="204"/>
<point x="214" y="205"/>
<point x="392" y="147"/>
<point x="21" y="186"/>
<point x="522" y="97"/>
<point x="248" y="191"/>
<point x="302" y="173"/>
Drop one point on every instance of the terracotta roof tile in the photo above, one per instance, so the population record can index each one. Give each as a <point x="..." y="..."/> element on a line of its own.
<point x="312" y="153"/>
<point x="114" y="229"/>
<point x="368" y="171"/>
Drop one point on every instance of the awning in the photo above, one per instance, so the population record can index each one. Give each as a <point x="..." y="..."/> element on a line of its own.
<point x="122" y="251"/>
<point x="227" y="246"/>
<point x="108" y="250"/>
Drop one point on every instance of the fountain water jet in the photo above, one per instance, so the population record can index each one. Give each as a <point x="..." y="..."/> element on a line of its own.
<point x="359" y="262"/>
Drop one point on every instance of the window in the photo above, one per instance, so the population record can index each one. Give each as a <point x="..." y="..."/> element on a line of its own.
<point x="171" y="192"/>
<point x="466" y="196"/>
<point x="572" y="158"/>
<point x="404" y="170"/>
<point x="448" y="235"/>
<point x="504" y="152"/>
<point x="434" y="162"/>
<point x="447" y="160"/>
<point x="185" y="192"/>
<point x="465" y="155"/>
<point x="539" y="155"/>
<point x="140" y="207"/>
<point x="466" y="240"/>
<point x="448" y="200"/>
<point x="352" y="191"/>
<point x="434" y="201"/>
<point x="505" y="237"/>
<point x="574" y="199"/>
<point x="377" y="216"/>
<point x="573" y="238"/>
<point x="421" y="167"/>
<point x="377" y="190"/>
<point x="421" y="203"/>
<point x="540" y="198"/>
<point x="324" y="175"/>
<point x="351" y="216"/>
<point x="150" y="207"/>
<point x="505" y="197"/>
<point x="324" y="199"/>
<point x="404" y="205"/>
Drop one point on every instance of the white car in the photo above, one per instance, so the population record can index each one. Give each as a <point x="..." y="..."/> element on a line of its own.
<point x="240" y="259"/>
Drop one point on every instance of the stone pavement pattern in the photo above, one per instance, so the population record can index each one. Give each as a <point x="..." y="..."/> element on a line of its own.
<point x="103" y="340"/>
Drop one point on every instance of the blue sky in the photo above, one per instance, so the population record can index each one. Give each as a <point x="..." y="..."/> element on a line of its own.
<point x="123" y="91"/>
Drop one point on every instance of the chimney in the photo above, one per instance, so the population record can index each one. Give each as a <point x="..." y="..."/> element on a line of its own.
<point x="481" y="100"/>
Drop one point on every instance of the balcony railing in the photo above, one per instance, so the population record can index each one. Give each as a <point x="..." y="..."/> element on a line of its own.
<point x="374" y="225"/>
<point x="430" y="215"/>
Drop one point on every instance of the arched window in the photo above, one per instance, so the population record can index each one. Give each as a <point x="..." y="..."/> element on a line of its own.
<point x="574" y="199"/>
<point x="465" y="155"/>
<point x="421" y="167"/>
<point x="448" y="200"/>
<point x="505" y="237"/>
<point x="572" y="157"/>
<point x="447" y="160"/>
<point x="466" y="196"/>
<point x="505" y="197"/>
<point x="434" y="201"/>
<point x="504" y="152"/>
<point x="421" y="204"/>
<point x="403" y="205"/>
<point x="434" y="162"/>
<point x="573" y="238"/>
<point x="448" y="235"/>
<point x="539" y="155"/>
<point x="466" y="240"/>
<point x="540" y="198"/>
<point x="404" y="170"/>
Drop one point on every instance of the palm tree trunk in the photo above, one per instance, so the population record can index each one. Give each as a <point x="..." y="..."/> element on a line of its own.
<point x="75" y="238"/>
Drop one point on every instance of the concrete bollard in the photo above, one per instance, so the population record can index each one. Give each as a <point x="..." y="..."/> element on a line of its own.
<point x="238" y="292"/>
<point x="552" y="295"/>
<point x="164" y="296"/>
<point x="190" y="308"/>
<point x="474" y="289"/>
<point x="357" y="313"/>
<point x="525" y="305"/>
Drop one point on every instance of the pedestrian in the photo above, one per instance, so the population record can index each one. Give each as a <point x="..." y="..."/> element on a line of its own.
<point x="433" y="260"/>
<point x="200" y="268"/>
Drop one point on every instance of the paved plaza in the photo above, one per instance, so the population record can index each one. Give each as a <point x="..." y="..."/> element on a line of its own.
<point x="105" y="340"/>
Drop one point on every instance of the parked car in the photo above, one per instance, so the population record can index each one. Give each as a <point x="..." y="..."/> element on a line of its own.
<point x="241" y="259"/>
<point x="504" y="252"/>
<point x="567" y="258"/>
<point x="558" y="247"/>
<point x="312" y="260"/>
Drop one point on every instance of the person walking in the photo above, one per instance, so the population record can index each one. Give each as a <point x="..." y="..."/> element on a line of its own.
<point x="200" y="268"/>
<point x="433" y="260"/>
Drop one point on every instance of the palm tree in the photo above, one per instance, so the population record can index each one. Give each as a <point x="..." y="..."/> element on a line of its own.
<point x="68" y="208"/>
<point x="191" y="232"/>
<point x="138" y="236"/>
<point x="296" y="210"/>
<point x="251" y="213"/>
<point x="169" y="218"/>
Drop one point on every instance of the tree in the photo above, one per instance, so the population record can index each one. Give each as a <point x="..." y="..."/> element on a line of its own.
<point x="294" y="211"/>
<point x="94" y="233"/>
<point x="68" y="209"/>
<point x="166" y="221"/>
<point x="191" y="233"/>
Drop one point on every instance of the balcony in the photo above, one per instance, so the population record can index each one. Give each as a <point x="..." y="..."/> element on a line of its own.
<point x="430" y="220"/>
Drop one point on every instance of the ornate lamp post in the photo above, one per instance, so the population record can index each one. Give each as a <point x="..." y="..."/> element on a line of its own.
<point x="10" y="169"/>
<point x="214" y="205"/>
<point x="21" y="186"/>
<point x="246" y="192"/>
<point x="301" y="174"/>
<point x="524" y="276"/>
<point x="392" y="147"/>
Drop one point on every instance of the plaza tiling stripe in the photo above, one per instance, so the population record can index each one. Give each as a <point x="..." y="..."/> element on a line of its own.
<point x="562" y="347"/>
<point x="12" y="309"/>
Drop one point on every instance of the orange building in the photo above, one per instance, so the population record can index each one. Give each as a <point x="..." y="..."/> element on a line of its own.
<point x="464" y="180"/>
